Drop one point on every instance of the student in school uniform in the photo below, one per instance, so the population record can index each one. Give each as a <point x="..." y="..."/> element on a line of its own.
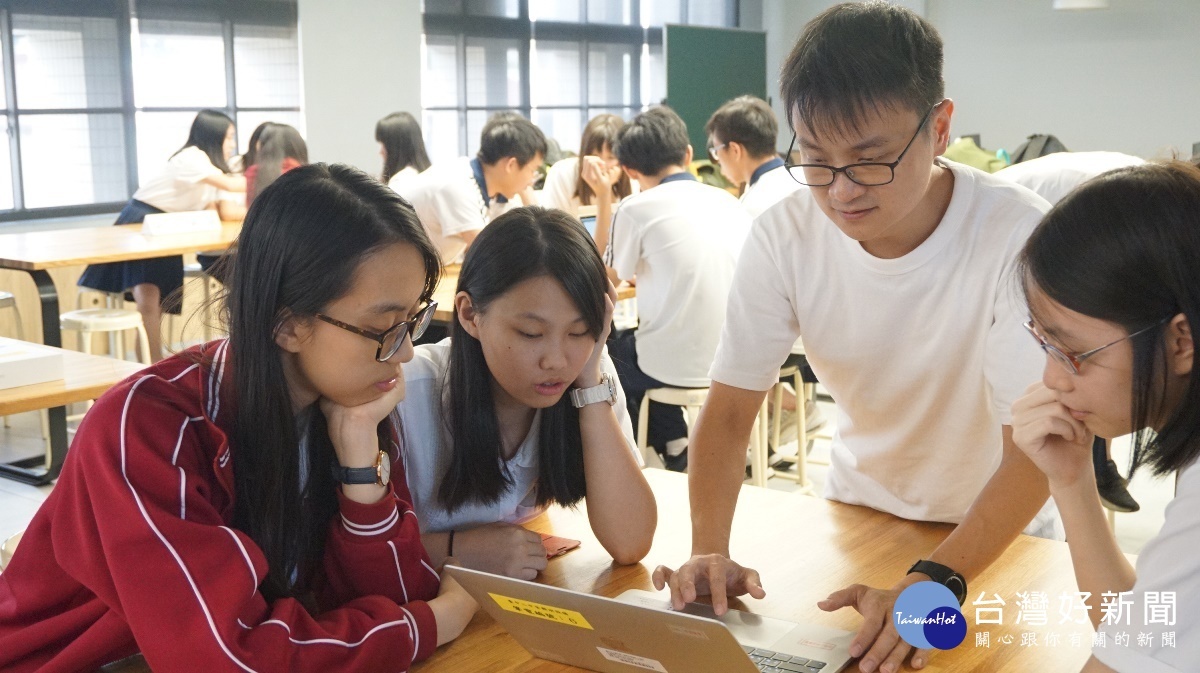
<point x="567" y="184"/>
<point x="1113" y="290"/>
<point x="280" y="148"/>
<point x="680" y="238"/>
<point x="403" y="150"/>
<point x="520" y="408"/>
<point x="242" y="505"/>
<point x="1053" y="176"/>
<point x="190" y="181"/>
<point x="457" y="199"/>
<point x="896" y="268"/>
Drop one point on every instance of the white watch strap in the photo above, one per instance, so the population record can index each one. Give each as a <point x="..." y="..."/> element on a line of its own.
<point x="581" y="397"/>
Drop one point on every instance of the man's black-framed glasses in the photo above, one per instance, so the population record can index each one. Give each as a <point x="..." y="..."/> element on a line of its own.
<point x="393" y="338"/>
<point x="867" y="174"/>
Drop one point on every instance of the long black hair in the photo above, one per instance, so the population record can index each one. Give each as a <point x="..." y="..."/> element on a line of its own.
<point x="208" y="133"/>
<point x="288" y="264"/>
<point x="1124" y="248"/>
<point x="403" y="145"/>
<point x="251" y="154"/>
<point x="276" y="143"/>
<point x="521" y="244"/>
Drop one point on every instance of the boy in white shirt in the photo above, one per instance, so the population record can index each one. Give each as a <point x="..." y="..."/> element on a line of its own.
<point x="897" y="268"/>
<point x="681" y="239"/>
<point x="456" y="200"/>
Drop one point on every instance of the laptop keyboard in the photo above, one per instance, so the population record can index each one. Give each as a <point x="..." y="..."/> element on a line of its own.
<point x="778" y="662"/>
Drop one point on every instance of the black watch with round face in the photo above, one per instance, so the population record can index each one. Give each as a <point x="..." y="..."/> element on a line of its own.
<point x="380" y="474"/>
<point x="944" y="576"/>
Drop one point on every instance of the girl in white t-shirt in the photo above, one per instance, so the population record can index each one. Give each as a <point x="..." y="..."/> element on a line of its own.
<point x="1114" y="289"/>
<point x="568" y="186"/>
<point x="191" y="180"/>
<point x="493" y="430"/>
<point x="402" y="149"/>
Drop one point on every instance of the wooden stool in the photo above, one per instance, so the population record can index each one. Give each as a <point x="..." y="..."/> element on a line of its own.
<point x="107" y="320"/>
<point x="804" y="392"/>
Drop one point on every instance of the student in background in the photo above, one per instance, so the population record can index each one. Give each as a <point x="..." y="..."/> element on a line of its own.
<point x="681" y="239"/>
<point x="402" y="148"/>
<point x="280" y="148"/>
<point x="242" y="505"/>
<point x="520" y="408"/>
<point x="567" y="186"/>
<point x="190" y="181"/>
<point x="455" y="200"/>
<point x="1053" y="176"/>
<point x="1113" y="289"/>
<point x="896" y="267"/>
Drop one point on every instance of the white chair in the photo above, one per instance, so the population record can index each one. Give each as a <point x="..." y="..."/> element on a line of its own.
<point x="804" y="392"/>
<point x="691" y="399"/>
<point x="108" y="321"/>
<point x="7" y="549"/>
<point x="7" y="300"/>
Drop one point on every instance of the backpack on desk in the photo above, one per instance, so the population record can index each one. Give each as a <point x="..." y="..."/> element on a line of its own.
<point x="1037" y="145"/>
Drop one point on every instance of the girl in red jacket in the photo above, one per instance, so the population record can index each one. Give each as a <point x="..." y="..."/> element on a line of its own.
<point x="241" y="506"/>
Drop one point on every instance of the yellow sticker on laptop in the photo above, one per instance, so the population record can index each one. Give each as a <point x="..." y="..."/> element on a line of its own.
<point x="547" y="612"/>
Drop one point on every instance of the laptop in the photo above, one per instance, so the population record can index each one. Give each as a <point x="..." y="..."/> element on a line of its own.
<point x="638" y="631"/>
<point x="589" y="223"/>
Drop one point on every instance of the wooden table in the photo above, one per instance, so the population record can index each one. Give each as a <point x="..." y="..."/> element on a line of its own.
<point x="444" y="294"/>
<point x="35" y="252"/>
<point x="86" y="377"/>
<point x="805" y="548"/>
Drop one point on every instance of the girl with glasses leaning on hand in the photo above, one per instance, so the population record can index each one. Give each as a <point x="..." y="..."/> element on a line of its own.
<point x="520" y="408"/>
<point x="1113" y="286"/>
<point x="242" y="505"/>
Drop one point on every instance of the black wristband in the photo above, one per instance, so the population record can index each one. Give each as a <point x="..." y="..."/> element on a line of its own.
<point x="450" y="546"/>
<point x="944" y="576"/>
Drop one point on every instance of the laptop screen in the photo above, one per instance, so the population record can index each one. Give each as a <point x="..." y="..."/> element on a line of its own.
<point x="589" y="223"/>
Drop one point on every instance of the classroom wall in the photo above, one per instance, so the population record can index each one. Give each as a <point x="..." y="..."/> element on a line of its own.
<point x="1117" y="79"/>
<point x="360" y="61"/>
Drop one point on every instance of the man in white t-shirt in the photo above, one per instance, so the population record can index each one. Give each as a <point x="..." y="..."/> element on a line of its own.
<point x="1053" y="176"/>
<point x="680" y="239"/>
<point x="897" y="268"/>
<point x="456" y="200"/>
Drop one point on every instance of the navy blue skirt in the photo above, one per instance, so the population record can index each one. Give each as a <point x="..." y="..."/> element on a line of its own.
<point x="165" y="272"/>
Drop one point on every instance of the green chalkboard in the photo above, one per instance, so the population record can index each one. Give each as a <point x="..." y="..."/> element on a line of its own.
<point x="708" y="66"/>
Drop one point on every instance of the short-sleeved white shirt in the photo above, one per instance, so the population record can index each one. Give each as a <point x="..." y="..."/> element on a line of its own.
<point x="923" y="354"/>
<point x="1168" y="563"/>
<point x="681" y="240"/>
<point x="1055" y="175"/>
<point x="427" y="448"/>
<point x="449" y="202"/>
<point x="178" y="187"/>
<point x="404" y="179"/>
<point x="770" y="187"/>
<point x="559" y="188"/>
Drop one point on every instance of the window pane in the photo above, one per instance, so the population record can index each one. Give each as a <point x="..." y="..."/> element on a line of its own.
<point x="654" y="75"/>
<point x="248" y="121"/>
<point x="506" y="8"/>
<point x="439" y="84"/>
<point x="6" y="192"/>
<point x="556" y="68"/>
<point x="441" y="130"/>
<point x="3" y="94"/>
<point x="493" y="72"/>
<point x="625" y="113"/>
<point x="72" y="159"/>
<point x="66" y="62"/>
<point x="556" y="10"/>
<point x="610" y="74"/>
<point x="658" y="12"/>
<point x="159" y="135"/>
<point x="564" y="126"/>
<point x="475" y="121"/>
<point x="611" y="11"/>
<point x="707" y="12"/>
<point x="179" y="64"/>
<point x="266" y="61"/>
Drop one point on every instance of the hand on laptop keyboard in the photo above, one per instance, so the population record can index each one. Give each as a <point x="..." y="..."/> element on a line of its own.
<point x="711" y="574"/>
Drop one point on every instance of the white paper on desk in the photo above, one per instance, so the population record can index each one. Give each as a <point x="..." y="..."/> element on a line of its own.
<point x="187" y="222"/>
<point x="26" y="364"/>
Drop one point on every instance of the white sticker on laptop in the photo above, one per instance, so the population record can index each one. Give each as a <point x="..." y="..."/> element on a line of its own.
<point x="685" y="631"/>
<point x="632" y="660"/>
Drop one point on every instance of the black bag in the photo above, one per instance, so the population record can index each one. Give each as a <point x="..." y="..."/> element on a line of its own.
<point x="1037" y="145"/>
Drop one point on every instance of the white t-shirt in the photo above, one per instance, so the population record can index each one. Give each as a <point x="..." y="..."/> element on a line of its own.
<point x="923" y="354"/>
<point x="449" y="202"/>
<point x="404" y="179"/>
<point x="427" y="448"/>
<point x="768" y="189"/>
<point x="681" y="240"/>
<point x="559" y="189"/>
<point x="178" y="188"/>
<point x="1168" y="563"/>
<point x="1055" y="175"/>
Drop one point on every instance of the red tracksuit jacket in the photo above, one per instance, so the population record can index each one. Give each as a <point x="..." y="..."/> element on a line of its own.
<point x="133" y="551"/>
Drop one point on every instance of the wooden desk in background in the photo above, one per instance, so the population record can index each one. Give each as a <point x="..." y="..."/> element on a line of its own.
<point x="805" y="548"/>
<point x="444" y="294"/>
<point x="35" y="252"/>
